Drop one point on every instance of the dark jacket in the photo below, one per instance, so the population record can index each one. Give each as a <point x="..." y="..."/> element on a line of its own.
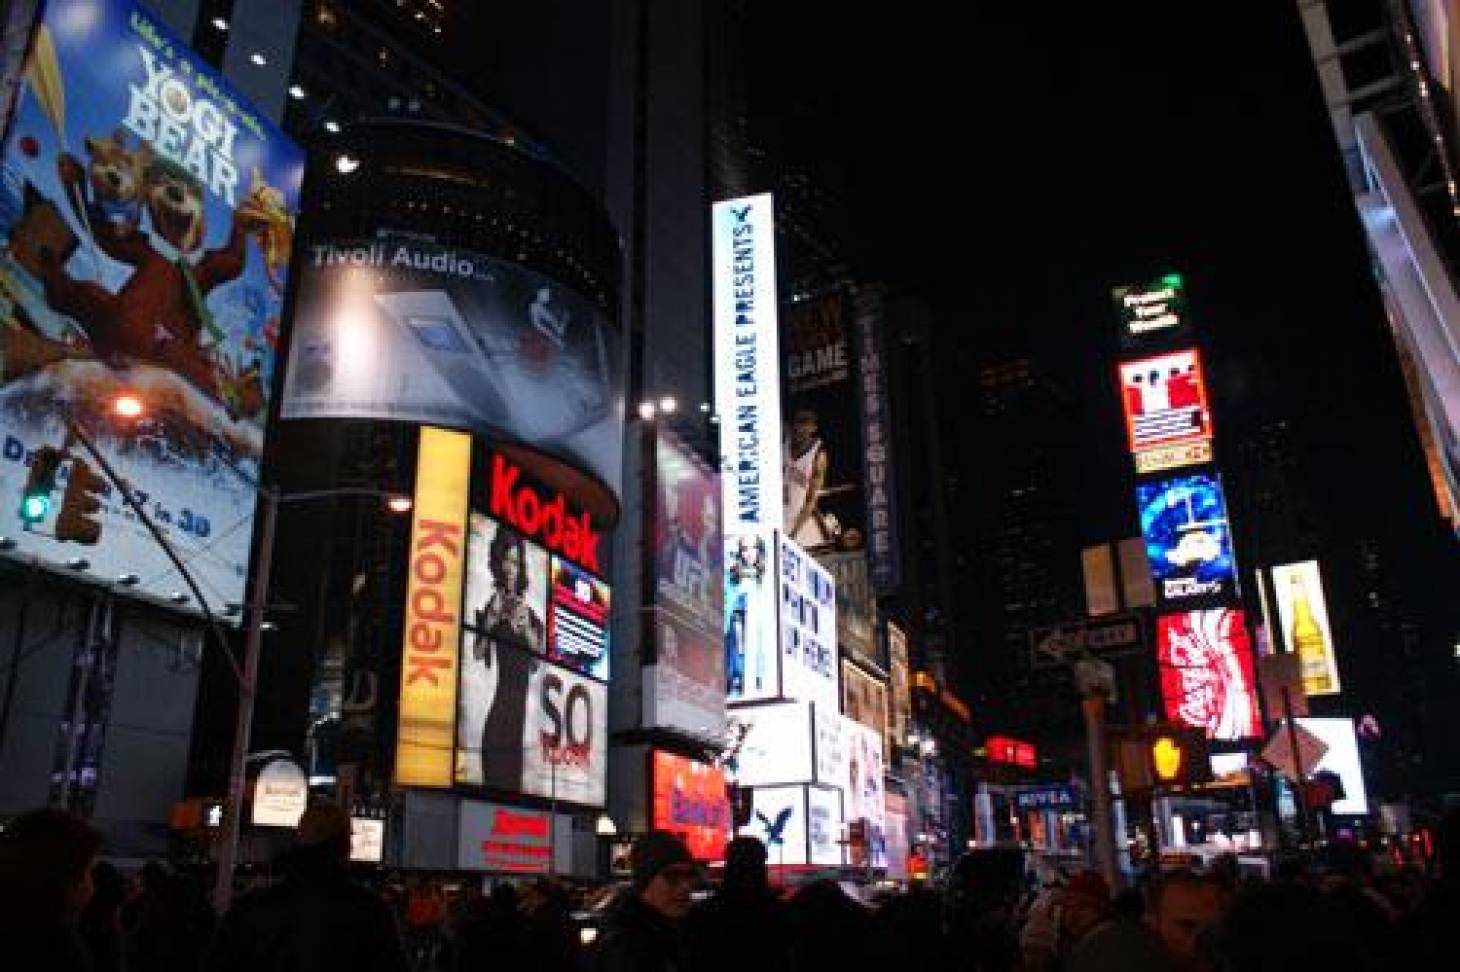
<point x="317" y="918"/>
<point x="739" y="929"/>
<point x="636" y="938"/>
<point x="55" y="949"/>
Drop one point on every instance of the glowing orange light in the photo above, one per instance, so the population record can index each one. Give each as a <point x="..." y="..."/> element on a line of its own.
<point x="128" y="405"/>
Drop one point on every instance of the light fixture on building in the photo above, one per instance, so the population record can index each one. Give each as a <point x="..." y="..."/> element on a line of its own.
<point x="668" y="404"/>
<point x="220" y="24"/>
<point x="604" y="826"/>
<point x="346" y="164"/>
<point x="332" y="126"/>
<point x="258" y="59"/>
<point x="647" y="411"/>
<point x="296" y="92"/>
<point x="704" y="406"/>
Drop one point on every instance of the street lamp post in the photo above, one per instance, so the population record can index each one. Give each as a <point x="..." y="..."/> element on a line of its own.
<point x="130" y="407"/>
<point x="270" y="501"/>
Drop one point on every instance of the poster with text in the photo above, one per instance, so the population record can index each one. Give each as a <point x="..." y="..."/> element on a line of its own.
<point x="809" y="663"/>
<point x="689" y="799"/>
<point x="525" y="725"/>
<point x="578" y="619"/>
<point x="146" y="221"/>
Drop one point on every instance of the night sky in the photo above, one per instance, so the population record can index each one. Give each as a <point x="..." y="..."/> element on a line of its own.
<point x="1013" y="164"/>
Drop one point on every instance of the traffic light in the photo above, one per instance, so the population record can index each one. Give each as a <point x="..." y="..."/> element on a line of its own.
<point x="35" y="502"/>
<point x="1162" y="755"/>
<point x="78" y="521"/>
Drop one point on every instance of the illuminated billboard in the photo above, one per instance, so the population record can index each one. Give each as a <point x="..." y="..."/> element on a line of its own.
<point x="747" y="373"/>
<point x="899" y="683"/>
<point x="578" y="619"/>
<point x="1341" y="757"/>
<point x="752" y="658"/>
<point x="1154" y="309"/>
<point x="684" y="682"/>
<point x="799" y="825"/>
<point x="774" y="744"/>
<point x="1165" y="404"/>
<point x="864" y="700"/>
<point x="493" y="837"/>
<point x="689" y="799"/>
<point x="1207" y="681"/>
<point x="525" y="725"/>
<point x="809" y="666"/>
<point x="146" y="221"/>
<point x="856" y="634"/>
<point x="1306" y="630"/>
<point x="1188" y="540"/>
<point x="823" y="461"/>
<point x="399" y="328"/>
<point x="432" y="624"/>
<point x="864" y="789"/>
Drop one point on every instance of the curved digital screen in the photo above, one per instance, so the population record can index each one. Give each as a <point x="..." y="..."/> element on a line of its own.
<point x="404" y="329"/>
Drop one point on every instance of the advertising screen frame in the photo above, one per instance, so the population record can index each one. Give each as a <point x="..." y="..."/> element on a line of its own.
<point x="1341" y="757"/>
<point x="689" y="798"/>
<point x="1165" y="411"/>
<point x="1308" y="574"/>
<point x="1186" y="528"/>
<point x="167" y="203"/>
<point x="1205" y="660"/>
<point x="767" y="754"/>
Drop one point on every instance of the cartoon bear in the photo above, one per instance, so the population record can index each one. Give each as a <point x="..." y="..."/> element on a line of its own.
<point x="159" y="315"/>
<point x="105" y="195"/>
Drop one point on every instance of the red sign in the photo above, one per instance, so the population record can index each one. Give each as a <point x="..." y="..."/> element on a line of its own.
<point x="547" y="520"/>
<point x="493" y="837"/>
<point x="1015" y="752"/>
<point x="1206" y="673"/>
<point x="1165" y="400"/>
<point x="690" y="800"/>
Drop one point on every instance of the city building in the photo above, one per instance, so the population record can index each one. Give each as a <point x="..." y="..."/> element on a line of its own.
<point x="1386" y="74"/>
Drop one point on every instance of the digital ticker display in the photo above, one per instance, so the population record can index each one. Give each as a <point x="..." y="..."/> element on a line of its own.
<point x="1188" y="539"/>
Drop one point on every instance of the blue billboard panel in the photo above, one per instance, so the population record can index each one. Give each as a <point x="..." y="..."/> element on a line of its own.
<point x="146" y="223"/>
<point x="1188" y="539"/>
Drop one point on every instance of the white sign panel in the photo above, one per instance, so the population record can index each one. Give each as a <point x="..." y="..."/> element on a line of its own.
<point x="824" y="826"/>
<point x="280" y="794"/>
<point x="809" y="662"/>
<point x="866" y="798"/>
<point x="1342" y="757"/>
<point x="778" y="819"/>
<point x="367" y="839"/>
<point x="776" y="747"/>
<point x="747" y="373"/>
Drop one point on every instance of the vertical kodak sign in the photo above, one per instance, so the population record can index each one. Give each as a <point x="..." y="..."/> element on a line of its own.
<point x="427" y="721"/>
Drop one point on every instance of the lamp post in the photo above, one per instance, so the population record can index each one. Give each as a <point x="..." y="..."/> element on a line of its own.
<point x="269" y="501"/>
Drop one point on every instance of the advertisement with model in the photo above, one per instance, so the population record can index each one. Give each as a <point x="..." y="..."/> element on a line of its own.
<point x="823" y="448"/>
<point x="529" y="726"/>
<point x="400" y="328"/>
<point x="1207" y="680"/>
<point x="864" y="700"/>
<point x="689" y="799"/>
<point x="1188" y="540"/>
<point x="147" y="216"/>
<point x="1306" y="630"/>
<point x="685" y="678"/>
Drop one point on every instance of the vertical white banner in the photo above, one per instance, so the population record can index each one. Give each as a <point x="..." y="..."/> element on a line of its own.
<point x="747" y="369"/>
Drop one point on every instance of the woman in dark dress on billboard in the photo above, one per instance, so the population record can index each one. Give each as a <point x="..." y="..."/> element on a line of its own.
<point x="508" y="631"/>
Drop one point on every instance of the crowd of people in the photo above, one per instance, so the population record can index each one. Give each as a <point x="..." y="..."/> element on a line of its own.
<point x="62" y="908"/>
